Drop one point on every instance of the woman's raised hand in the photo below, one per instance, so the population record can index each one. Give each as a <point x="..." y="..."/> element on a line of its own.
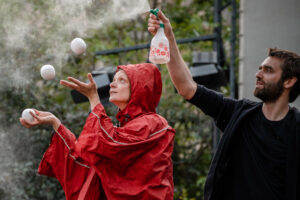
<point x="87" y="89"/>
<point x="41" y="118"/>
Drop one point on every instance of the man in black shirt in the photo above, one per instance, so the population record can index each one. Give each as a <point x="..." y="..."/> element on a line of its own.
<point x="257" y="169"/>
<point x="259" y="153"/>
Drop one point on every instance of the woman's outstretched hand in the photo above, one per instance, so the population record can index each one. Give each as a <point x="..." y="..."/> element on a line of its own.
<point x="41" y="118"/>
<point x="87" y="89"/>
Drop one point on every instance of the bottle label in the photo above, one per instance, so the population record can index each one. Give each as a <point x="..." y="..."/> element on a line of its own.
<point x="161" y="50"/>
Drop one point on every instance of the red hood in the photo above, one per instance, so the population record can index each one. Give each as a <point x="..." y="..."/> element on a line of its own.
<point x="146" y="88"/>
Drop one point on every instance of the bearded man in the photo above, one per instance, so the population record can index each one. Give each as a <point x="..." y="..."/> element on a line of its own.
<point x="258" y="156"/>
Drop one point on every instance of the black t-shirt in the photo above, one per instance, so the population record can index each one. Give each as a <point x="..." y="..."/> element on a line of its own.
<point x="258" y="159"/>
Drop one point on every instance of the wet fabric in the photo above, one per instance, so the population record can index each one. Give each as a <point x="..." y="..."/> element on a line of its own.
<point x="132" y="161"/>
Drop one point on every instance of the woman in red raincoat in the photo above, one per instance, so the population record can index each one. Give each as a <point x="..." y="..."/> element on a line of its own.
<point x="132" y="161"/>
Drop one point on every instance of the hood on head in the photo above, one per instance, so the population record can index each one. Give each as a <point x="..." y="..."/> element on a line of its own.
<point x="145" y="86"/>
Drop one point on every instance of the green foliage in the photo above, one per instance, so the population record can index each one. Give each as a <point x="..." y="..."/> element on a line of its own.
<point x="192" y="147"/>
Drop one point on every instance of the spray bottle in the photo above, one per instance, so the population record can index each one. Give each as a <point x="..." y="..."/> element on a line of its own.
<point x="159" y="49"/>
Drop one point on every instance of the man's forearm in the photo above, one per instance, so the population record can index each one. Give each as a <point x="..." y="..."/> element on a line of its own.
<point x="179" y="72"/>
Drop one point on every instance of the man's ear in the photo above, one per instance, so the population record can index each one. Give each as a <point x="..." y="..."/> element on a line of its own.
<point x="290" y="82"/>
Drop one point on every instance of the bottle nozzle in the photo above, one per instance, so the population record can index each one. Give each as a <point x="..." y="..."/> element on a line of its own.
<point x="154" y="11"/>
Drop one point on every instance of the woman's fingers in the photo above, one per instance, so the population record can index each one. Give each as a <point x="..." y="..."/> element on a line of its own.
<point x="36" y="111"/>
<point x="69" y="84"/>
<point x="90" y="77"/>
<point x="26" y="123"/>
<point x="86" y="89"/>
<point x="35" y="116"/>
<point x="23" y="122"/>
<point x="74" y="80"/>
<point x="40" y="118"/>
<point x="33" y="113"/>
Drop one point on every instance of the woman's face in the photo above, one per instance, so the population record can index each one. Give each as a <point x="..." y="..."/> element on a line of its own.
<point x="120" y="90"/>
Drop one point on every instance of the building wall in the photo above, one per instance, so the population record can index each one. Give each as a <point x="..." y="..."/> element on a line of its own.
<point x="264" y="24"/>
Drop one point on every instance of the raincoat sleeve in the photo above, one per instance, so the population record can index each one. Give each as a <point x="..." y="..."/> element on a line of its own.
<point x="61" y="149"/>
<point x="101" y="140"/>
<point x="61" y="162"/>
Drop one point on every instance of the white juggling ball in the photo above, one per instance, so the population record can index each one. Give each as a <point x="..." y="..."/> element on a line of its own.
<point x="27" y="116"/>
<point x="78" y="46"/>
<point x="48" y="72"/>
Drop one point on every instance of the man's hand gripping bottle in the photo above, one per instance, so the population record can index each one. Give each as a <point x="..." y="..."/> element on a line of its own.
<point x="159" y="49"/>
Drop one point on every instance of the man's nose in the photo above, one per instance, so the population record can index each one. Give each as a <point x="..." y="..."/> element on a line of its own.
<point x="258" y="74"/>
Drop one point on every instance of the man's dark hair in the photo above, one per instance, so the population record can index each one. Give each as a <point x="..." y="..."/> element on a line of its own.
<point x="290" y="68"/>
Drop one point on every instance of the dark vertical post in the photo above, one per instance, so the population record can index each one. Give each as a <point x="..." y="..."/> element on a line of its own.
<point x="232" y="54"/>
<point x="218" y="48"/>
<point x="218" y="28"/>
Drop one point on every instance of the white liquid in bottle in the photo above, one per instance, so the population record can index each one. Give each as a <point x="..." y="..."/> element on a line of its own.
<point x="159" y="50"/>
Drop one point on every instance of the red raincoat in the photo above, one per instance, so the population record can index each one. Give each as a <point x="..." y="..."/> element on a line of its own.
<point x="132" y="161"/>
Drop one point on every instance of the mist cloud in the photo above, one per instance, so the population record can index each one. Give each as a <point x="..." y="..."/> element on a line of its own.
<point x="32" y="35"/>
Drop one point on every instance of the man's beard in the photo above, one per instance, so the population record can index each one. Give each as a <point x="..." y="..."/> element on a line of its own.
<point x="270" y="91"/>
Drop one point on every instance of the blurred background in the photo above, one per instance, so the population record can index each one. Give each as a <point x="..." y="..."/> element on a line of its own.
<point x="222" y="41"/>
